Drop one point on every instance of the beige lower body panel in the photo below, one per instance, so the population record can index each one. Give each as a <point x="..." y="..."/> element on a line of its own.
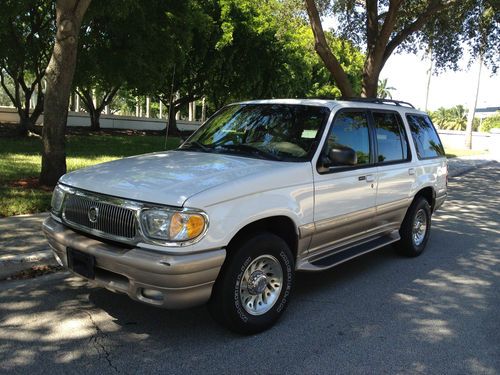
<point x="329" y="235"/>
<point x="176" y="281"/>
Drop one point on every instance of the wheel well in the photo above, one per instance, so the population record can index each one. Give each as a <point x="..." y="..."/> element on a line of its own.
<point x="282" y="226"/>
<point x="429" y="194"/>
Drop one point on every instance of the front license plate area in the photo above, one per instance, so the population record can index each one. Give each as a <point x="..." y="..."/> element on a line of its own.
<point x="82" y="263"/>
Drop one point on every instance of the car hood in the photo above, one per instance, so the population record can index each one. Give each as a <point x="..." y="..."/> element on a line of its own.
<point x="168" y="178"/>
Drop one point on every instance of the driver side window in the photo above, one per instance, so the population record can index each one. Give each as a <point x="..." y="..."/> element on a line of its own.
<point x="350" y="130"/>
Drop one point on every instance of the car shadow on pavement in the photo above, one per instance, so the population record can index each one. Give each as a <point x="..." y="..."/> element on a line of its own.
<point x="378" y="313"/>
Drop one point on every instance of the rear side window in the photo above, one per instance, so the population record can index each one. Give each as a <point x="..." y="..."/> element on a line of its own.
<point x="391" y="141"/>
<point x="350" y="129"/>
<point x="425" y="137"/>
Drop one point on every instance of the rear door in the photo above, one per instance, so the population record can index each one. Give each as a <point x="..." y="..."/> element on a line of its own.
<point x="396" y="176"/>
<point x="345" y="196"/>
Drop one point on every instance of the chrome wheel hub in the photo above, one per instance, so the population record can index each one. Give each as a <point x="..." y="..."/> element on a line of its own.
<point x="257" y="283"/>
<point x="261" y="285"/>
<point x="419" y="227"/>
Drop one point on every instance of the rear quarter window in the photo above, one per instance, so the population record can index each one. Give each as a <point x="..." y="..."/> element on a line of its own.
<point x="425" y="137"/>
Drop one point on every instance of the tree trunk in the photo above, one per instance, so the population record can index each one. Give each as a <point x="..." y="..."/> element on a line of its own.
<point x="95" y="118"/>
<point x="172" y="122"/>
<point x="59" y="76"/>
<point x="371" y="72"/>
<point x="370" y="85"/>
<point x="93" y="108"/>
<point x="325" y="53"/>
<point x="24" y="125"/>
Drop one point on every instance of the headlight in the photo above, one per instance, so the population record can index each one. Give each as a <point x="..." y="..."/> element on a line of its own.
<point x="175" y="226"/>
<point x="57" y="199"/>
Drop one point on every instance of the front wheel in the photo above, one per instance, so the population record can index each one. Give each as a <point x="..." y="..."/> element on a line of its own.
<point x="254" y="286"/>
<point x="415" y="229"/>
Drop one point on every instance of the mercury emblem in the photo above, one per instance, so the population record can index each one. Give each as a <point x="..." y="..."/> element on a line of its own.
<point x="93" y="214"/>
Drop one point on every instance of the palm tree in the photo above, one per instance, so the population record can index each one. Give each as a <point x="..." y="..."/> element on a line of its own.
<point x="383" y="90"/>
<point x="440" y="117"/>
<point x="457" y="118"/>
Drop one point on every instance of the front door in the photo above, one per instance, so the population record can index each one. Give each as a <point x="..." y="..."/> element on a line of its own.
<point x="345" y="195"/>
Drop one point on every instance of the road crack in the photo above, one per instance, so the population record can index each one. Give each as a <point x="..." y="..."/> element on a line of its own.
<point x="97" y="340"/>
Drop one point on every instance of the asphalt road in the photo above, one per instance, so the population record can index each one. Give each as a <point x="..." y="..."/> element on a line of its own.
<point x="436" y="314"/>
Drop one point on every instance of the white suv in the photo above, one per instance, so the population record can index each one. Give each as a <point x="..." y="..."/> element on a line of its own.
<point x="263" y="189"/>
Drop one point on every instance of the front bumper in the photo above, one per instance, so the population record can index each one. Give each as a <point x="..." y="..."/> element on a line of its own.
<point x="164" y="280"/>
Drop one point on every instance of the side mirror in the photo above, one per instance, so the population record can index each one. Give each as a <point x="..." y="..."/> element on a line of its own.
<point x="342" y="155"/>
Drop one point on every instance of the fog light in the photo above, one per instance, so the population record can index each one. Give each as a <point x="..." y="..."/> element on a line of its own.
<point x="152" y="294"/>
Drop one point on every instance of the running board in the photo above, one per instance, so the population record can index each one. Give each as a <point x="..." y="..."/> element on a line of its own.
<point x="348" y="252"/>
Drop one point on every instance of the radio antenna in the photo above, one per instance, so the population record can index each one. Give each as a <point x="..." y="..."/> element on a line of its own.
<point x="171" y="108"/>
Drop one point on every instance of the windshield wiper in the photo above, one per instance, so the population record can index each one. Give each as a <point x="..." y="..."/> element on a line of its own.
<point x="251" y="150"/>
<point x="198" y="145"/>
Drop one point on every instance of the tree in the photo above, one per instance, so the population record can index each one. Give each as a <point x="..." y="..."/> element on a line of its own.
<point x="265" y="51"/>
<point x="454" y="118"/>
<point x="458" y="118"/>
<point x="491" y="122"/>
<point x="26" y="29"/>
<point x="113" y="52"/>
<point x="59" y="75"/>
<point x="383" y="90"/>
<point x="385" y="26"/>
<point x="440" y="117"/>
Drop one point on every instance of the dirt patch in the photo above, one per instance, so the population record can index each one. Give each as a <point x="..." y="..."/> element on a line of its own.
<point x="11" y="130"/>
<point x="34" y="271"/>
<point x="29" y="183"/>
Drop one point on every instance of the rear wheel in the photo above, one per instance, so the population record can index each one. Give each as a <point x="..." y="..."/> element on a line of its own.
<point x="254" y="286"/>
<point x="416" y="228"/>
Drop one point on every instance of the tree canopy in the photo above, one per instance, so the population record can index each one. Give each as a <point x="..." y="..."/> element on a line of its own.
<point x="26" y="37"/>
<point x="382" y="27"/>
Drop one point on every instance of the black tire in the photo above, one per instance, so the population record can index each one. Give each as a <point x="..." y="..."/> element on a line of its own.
<point x="226" y="305"/>
<point x="408" y="245"/>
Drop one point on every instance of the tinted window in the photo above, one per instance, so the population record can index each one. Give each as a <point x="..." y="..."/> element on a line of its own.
<point x="274" y="131"/>
<point x="350" y="129"/>
<point x="391" y="142"/>
<point x="425" y="137"/>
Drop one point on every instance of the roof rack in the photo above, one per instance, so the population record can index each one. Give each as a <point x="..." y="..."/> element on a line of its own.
<point x="380" y="101"/>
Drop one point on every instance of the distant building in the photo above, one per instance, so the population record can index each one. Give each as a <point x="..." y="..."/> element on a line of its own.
<point x="486" y="111"/>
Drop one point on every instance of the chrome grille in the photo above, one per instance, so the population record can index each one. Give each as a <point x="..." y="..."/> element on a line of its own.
<point x="112" y="219"/>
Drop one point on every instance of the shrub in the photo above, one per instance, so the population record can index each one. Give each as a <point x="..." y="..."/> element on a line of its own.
<point x="490" y="122"/>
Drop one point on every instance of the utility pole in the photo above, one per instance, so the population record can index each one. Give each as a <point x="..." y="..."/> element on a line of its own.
<point x="472" y="109"/>
<point x="429" y="74"/>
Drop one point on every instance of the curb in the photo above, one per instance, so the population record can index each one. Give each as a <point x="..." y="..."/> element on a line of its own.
<point x="467" y="168"/>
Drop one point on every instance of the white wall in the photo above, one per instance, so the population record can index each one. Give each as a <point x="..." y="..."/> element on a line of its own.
<point x="9" y="115"/>
<point x="480" y="141"/>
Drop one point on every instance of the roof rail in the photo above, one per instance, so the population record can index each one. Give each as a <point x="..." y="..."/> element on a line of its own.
<point x="380" y="101"/>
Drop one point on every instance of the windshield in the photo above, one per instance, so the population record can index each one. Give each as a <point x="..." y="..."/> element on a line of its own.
<point x="269" y="131"/>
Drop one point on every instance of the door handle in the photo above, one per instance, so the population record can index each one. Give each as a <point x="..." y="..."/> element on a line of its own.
<point x="367" y="178"/>
<point x="411" y="171"/>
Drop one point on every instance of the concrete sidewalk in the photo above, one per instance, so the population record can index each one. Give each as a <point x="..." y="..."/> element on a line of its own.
<point x="22" y="244"/>
<point x="460" y="165"/>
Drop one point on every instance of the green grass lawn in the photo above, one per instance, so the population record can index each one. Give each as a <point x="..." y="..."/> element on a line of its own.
<point x="454" y="152"/>
<point x="20" y="160"/>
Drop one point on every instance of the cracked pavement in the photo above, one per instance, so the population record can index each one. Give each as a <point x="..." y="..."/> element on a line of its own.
<point x="381" y="313"/>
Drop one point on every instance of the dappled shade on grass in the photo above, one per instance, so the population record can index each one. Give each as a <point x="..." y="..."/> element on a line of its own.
<point x="20" y="162"/>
